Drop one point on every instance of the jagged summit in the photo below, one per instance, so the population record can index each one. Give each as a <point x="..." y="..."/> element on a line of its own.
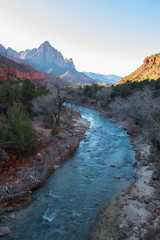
<point x="46" y="43"/>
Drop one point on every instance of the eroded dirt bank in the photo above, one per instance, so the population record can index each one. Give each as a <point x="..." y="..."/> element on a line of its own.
<point x="20" y="177"/>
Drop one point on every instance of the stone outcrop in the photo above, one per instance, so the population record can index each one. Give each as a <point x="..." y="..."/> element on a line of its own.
<point x="130" y="125"/>
<point x="4" y="231"/>
<point x="150" y="69"/>
<point x="155" y="59"/>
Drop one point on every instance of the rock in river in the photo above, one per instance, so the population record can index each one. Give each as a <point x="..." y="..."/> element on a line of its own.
<point x="5" y="231"/>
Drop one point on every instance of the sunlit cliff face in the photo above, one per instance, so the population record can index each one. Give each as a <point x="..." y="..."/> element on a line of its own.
<point x="150" y="69"/>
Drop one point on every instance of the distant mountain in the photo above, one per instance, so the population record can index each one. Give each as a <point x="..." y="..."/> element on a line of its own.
<point x="48" y="60"/>
<point x="107" y="79"/>
<point x="150" y="69"/>
<point x="10" y="68"/>
<point x="9" y="53"/>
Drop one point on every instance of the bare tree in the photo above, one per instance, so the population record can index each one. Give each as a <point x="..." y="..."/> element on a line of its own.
<point x="60" y="92"/>
<point x="141" y="105"/>
<point x="104" y="94"/>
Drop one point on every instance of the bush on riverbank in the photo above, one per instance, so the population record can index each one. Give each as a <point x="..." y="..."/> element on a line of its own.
<point x="17" y="133"/>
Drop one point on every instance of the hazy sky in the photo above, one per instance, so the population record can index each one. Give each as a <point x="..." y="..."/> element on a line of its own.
<point x="102" y="36"/>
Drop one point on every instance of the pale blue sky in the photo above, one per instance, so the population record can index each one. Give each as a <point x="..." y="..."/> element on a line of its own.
<point x="102" y="36"/>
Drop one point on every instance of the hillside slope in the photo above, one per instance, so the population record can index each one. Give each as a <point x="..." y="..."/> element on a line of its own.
<point x="9" y="67"/>
<point x="150" y="69"/>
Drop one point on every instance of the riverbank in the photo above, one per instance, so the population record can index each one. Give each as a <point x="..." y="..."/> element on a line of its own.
<point x="139" y="205"/>
<point x="20" y="177"/>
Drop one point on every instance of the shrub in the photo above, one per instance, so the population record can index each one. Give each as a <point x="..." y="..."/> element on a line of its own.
<point x="156" y="117"/>
<point x="41" y="91"/>
<point x="28" y="91"/>
<point x="54" y="131"/>
<point x="155" y="140"/>
<point x="8" y="95"/>
<point x="3" y="156"/>
<point x="18" y="133"/>
<point x="48" y="120"/>
<point x="122" y="90"/>
<point x="91" y="90"/>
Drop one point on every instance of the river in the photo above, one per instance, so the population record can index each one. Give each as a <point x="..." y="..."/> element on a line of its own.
<point x="63" y="208"/>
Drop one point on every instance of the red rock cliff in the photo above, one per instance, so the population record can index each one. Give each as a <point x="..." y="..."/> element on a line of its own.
<point x="19" y="70"/>
<point x="150" y="69"/>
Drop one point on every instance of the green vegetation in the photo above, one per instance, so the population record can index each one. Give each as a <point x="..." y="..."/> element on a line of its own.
<point x="23" y="92"/>
<point x="16" y="132"/>
<point x="54" y="131"/>
<point x="91" y="90"/>
<point x="156" y="117"/>
<point x="123" y="90"/>
<point x="3" y="156"/>
<point x="8" y="94"/>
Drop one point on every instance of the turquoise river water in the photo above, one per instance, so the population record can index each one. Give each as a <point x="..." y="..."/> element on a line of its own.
<point x="63" y="208"/>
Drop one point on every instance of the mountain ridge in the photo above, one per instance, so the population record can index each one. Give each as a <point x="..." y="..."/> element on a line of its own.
<point x="48" y="60"/>
<point x="102" y="78"/>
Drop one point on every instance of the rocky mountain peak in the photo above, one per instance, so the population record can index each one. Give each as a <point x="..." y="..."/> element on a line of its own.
<point x="2" y="48"/>
<point x="46" y="44"/>
<point x="70" y="64"/>
<point x="12" y="54"/>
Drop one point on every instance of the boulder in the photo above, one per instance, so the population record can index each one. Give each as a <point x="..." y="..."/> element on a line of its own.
<point x="151" y="207"/>
<point x="127" y="231"/>
<point x="155" y="175"/>
<point x="5" y="231"/>
<point x="131" y="120"/>
<point x="133" y="129"/>
<point x="12" y="216"/>
<point x="130" y="126"/>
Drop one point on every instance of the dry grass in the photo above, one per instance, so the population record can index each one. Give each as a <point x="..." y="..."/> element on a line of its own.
<point x="138" y="156"/>
<point x="106" y="225"/>
<point x="129" y="189"/>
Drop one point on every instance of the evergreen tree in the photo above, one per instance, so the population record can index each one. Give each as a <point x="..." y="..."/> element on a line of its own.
<point x="19" y="135"/>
